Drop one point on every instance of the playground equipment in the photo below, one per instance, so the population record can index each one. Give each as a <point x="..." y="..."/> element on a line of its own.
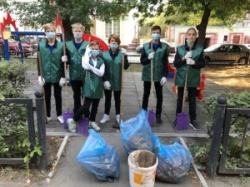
<point x="7" y="33"/>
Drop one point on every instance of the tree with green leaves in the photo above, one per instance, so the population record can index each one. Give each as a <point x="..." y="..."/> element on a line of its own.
<point x="178" y="11"/>
<point x="71" y="11"/>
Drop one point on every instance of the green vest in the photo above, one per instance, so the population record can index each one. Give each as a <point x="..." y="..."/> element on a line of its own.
<point x="193" y="79"/>
<point x="157" y="63"/>
<point x="93" y="85"/>
<point x="52" y="66"/>
<point x="75" y="69"/>
<point x="113" y="70"/>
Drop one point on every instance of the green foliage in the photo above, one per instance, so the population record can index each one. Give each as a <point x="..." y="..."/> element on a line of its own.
<point x="185" y="12"/>
<point x="238" y="147"/>
<point x="14" y="137"/>
<point x="12" y="79"/>
<point x="38" y="13"/>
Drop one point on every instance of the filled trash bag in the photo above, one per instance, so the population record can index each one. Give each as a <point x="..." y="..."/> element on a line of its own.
<point x="136" y="133"/>
<point x="99" y="158"/>
<point x="173" y="162"/>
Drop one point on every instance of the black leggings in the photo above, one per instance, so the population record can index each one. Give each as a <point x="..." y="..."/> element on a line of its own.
<point x="159" y="96"/>
<point x="84" y="109"/>
<point x="77" y="94"/>
<point x="108" y="96"/>
<point x="191" y="100"/>
<point x="57" y="95"/>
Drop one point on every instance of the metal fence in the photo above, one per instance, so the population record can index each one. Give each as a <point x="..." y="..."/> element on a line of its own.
<point x="134" y="58"/>
<point x="222" y="135"/>
<point x="41" y="129"/>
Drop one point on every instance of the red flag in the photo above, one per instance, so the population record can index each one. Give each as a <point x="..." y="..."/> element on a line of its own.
<point x="89" y="37"/>
<point x="58" y="22"/>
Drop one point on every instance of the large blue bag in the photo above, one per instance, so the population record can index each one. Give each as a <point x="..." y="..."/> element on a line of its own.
<point x="136" y="133"/>
<point x="173" y="162"/>
<point x="99" y="158"/>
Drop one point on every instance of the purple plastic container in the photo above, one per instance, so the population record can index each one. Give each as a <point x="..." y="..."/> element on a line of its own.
<point x="67" y="115"/>
<point x="182" y="121"/>
<point x="82" y="126"/>
<point x="151" y="117"/>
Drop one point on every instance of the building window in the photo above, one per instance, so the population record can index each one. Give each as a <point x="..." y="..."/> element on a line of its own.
<point x="112" y="27"/>
<point x="225" y="38"/>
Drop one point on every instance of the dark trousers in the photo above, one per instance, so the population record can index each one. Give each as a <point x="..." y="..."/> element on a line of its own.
<point x="108" y="97"/>
<point x="57" y="95"/>
<point x="84" y="109"/>
<point x="191" y="100"/>
<point x="77" y="93"/>
<point x="158" y="90"/>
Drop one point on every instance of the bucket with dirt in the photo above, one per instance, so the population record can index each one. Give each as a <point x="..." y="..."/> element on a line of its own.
<point x="142" y="168"/>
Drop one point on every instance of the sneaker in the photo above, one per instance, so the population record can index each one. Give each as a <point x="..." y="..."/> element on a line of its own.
<point x="116" y="126"/>
<point x="93" y="124"/>
<point x="71" y="125"/>
<point x="195" y="125"/>
<point x="118" y="118"/>
<point x="159" y="120"/>
<point x="105" y="118"/>
<point x="60" y="119"/>
<point x="48" y="119"/>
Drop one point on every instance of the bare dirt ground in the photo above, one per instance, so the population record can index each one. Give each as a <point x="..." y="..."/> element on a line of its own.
<point x="234" y="77"/>
<point x="19" y="173"/>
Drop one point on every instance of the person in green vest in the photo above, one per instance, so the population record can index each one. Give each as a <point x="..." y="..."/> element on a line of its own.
<point x="93" y="87"/>
<point x="50" y="55"/>
<point x="156" y="51"/>
<point x="75" y="51"/>
<point x="113" y="77"/>
<point x="189" y="59"/>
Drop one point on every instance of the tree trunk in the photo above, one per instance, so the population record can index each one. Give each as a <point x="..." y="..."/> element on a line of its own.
<point x="202" y="27"/>
<point x="67" y="29"/>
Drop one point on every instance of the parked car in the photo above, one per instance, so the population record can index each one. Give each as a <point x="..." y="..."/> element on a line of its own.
<point x="14" y="48"/>
<point x="226" y="53"/>
<point x="171" y="47"/>
<point x="247" y="45"/>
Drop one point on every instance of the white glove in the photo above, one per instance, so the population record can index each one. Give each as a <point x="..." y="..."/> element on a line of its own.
<point x="106" y="85"/>
<point x="188" y="55"/>
<point x="151" y="55"/>
<point x="64" y="58"/>
<point x="124" y="51"/>
<point x="87" y="52"/>
<point x="41" y="81"/>
<point x="190" y="61"/>
<point x="163" y="80"/>
<point x="86" y="65"/>
<point x="62" y="82"/>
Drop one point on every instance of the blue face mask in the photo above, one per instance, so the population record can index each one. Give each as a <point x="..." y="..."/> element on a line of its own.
<point x="94" y="52"/>
<point x="77" y="35"/>
<point x="50" y="35"/>
<point x="190" y="41"/>
<point x="156" y="36"/>
<point x="113" y="46"/>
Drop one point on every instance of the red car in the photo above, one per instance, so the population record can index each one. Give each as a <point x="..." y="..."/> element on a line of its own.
<point x="14" y="48"/>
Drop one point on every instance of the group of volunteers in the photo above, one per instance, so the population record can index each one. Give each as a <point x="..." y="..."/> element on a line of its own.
<point x="93" y="72"/>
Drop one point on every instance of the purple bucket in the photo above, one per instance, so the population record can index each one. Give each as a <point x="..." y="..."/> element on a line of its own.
<point x="151" y="117"/>
<point x="182" y="121"/>
<point x="67" y="115"/>
<point x="82" y="126"/>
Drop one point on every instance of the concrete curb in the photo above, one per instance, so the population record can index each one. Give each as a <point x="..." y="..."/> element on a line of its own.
<point x="59" y="154"/>
<point x="198" y="173"/>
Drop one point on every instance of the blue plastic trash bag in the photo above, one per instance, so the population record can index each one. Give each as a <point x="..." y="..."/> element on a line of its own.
<point x="99" y="158"/>
<point x="136" y="133"/>
<point x="173" y="162"/>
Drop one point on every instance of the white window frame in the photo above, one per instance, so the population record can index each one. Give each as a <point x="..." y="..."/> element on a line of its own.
<point x="113" y="29"/>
